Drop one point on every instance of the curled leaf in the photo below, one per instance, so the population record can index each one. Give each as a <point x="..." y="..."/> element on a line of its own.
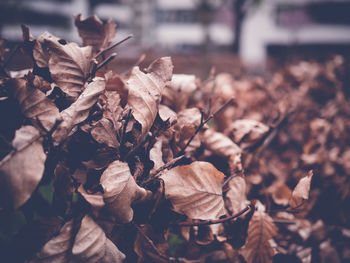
<point x="94" y="32"/>
<point x="301" y="191"/>
<point x="178" y="91"/>
<point x="80" y="109"/>
<point x="246" y="132"/>
<point x="220" y="144"/>
<point x="69" y="64"/>
<point x="145" y="91"/>
<point x="236" y="198"/>
<point x="120" y="191"/>
<point x="34" y="104"/>
<point x="90" y="245"/>
<point x="22" y="169"/>
<point x="195" y="190"/>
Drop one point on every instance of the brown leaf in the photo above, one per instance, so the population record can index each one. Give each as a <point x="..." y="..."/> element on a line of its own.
<point x="301" y="191"/>
<point x="22" y="169"/>
<point x="246" y="132"/>
<point x="257" y="248"/>
<point x="178" y="91"/>
<point x="95" y="200"/>
<point x="156" y="155"/>
<point x="280" y="193"/>
<point x="120" y="191"/>
<point x="104" y="132"/>
<point x="187" y="122"/>
<point x="115" y="83"/>
<point x="236" y="198"/>
<point x="90" y="245"/>
<point x="220" y="144"/>
<point x="69" y="64"/>
<point x="94" y="32"/>
<point x="79" y="110"/>
<point x="145" y="91"/>
<point x="195" y="190"/>
<point x="34" y="104"/>
<point x="40" y="50"/>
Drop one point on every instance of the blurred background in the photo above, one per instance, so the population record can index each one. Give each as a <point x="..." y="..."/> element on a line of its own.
<point x="197" y="33"/>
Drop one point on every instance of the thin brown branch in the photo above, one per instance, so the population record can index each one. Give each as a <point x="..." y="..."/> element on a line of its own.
<point x="149" y="241"/>
<point x="107" y="60"/>
<point x="202" y="123"/>
<point x="112" y="46"/>
<point x="218" y="221"/>
<point x="168" y="165"/>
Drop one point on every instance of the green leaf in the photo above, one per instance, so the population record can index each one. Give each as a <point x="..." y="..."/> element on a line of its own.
<point x="46" y="192"/>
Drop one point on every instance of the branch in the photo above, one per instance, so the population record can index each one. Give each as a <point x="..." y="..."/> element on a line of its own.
<point x="162" y="168"/>
<point x="203" y="123"/>
<point x="251" y="206"/>
<point x="107" y="60"/>
<point x="112" y="46"/>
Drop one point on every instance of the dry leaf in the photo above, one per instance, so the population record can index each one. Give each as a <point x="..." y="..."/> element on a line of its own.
<point x="22" y="169"/>
<point x="34" y="104"/>
<point x="235" y="197"/>
<point x="156" y="155"/>
<point x="69" y="65"/>
<point x="280" y="193"/>
<point x="301" y="191"/>
<point x="79" y="110"/>
<point x="145" y="91"/>
<point x="90" y="245"/>
<point x="246" y="132"/>
<point x="167" y="114"/>
<point x="95" y="200"/>
<point x="220" y="144"/>
<point x="257" y="248"/>
<point x="120" y="191"/>
<point x="40" y="50"/>
<point x="187" y="122"/>
<point x="178" y="91"/>
<point x="104" y="132"/>
<point x="195" y="190"/>
<point x="94" y="32"/>
<point x="115" y="83"/>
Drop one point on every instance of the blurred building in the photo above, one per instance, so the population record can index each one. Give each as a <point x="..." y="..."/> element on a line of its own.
<point x="193" y="26"/>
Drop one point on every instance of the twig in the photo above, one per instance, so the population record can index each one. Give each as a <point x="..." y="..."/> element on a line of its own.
<point x="124" y="127"/>
<point x="112" y="46"/>
<point x="218" y="221"/>
<point x="202" y="123"/>
<point x="107" y="60"/>
<point x="149" y="241"/>
<point x="165" y="166"/>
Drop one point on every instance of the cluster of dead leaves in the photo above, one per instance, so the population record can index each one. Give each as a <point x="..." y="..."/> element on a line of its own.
<point x="149" y="166"/>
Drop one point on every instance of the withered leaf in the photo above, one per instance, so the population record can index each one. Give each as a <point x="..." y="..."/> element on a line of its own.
<point x="121" y="190"/>
<point x="80" y="109"/>
<point x="103" y="132"/>
<point x="69" y="65"/>
<point x="301" y="191"/>
<point x="95" y="200"/>
<point x="94" y="32"/>
<point x="257" y="248"/>
<point x="40" y="50"/>
<point x="236" y="198"/>
<point x="145" y="91"/>
<point x="246" y="132"/>
<point x="220" y="144"/>
<point x="22" y="169"/>
<point x="178" y="91"/>
<point x="34" y="104"/>
<point x="195" y="190"/>
<point x="90" y="245"/>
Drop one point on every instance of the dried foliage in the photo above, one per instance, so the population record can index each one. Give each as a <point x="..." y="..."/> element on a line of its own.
<point x="155" y="167"/>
